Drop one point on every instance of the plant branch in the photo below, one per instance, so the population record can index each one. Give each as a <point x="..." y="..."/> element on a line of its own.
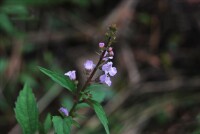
<point x="89" y="79"/>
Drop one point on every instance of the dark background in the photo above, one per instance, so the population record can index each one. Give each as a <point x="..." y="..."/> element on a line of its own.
<point x="157" y="54"/>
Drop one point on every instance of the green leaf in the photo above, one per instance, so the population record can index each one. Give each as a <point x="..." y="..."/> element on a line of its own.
<point x="26" y="111"/>
<point x="62" y="126"/>
<point x="97" y="91"/>
<point x="46" y="126"/>
<point x="75" y="123"/>
<point x="47" y="123"/>
<point x="6" y="24"/>
<point x="67" y="102"/>
<point x="100" y="114"/>
<point x="15" y="9"/>
<point x="59" y="125"/>
<point x="82" y="105"/>
<point x="60" y="79"/>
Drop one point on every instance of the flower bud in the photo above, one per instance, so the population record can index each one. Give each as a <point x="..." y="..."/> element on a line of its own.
<point x="101" y="45"/>
<point x="110" y="49"/>
<point x="71" y="75"/>
<point x="64" y="111"/>
<point x="111" y="53"/>
<point x="89" y="65"/>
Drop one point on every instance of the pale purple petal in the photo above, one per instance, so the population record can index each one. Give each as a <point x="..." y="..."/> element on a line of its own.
<point x="102" y="78"/>
<point x="89" y="65"/>
<point x="112" y="71"/>
<point x="101" y="44"/>
<point x="106" y="67"/>
<point x="71" y="75"/>
<point x="105" y="79"/>
<point x="108" y="81"/>
<point x="64" y="111"/>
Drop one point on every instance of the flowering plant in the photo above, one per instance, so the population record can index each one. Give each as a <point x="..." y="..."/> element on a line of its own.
<point x="26" y="110"/>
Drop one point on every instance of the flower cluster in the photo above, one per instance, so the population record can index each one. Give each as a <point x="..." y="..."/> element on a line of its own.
<point x="107" y="66"/>
<point x="84" y="94"/>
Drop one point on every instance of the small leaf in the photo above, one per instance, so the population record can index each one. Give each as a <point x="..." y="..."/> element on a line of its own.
<point x="100" y="114"/>
<point x="97" y="91"/>
<point x="26" y="111"/>
<point x="47" y="123"/>
<point x="60" y="79"/>
<point x="62" y="126"/>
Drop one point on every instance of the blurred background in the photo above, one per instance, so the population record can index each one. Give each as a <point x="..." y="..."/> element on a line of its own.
<point x="157" y="54"/>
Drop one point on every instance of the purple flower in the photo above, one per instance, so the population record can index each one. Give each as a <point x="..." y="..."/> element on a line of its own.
<point x="105" y="79"/>
<point x="107" y="56"/>
<point x="71" y="75"/>
<point x="110" y="49"/>
<point x="89" y="65"/>
<point x="108" y="69"/>
<point x="101" y="44"/>
<point x="64" y="111"/>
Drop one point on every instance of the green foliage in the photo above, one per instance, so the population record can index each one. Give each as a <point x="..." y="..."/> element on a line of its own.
<point x="15" y="9"/>
<point x="26" y="111"/>
<point x="82" y="3"/>
<point x="17" y="12"/>
<point x="82" y="105"/>
<point x="67" y="101"/>
<point x="46" y="126"/>
<point x="62" y="126"/>
<point x="5" y="24"/>
<point x="3" y="64"/>
<point x="60" y="79"/>
<point x="75" y="123"/>
<point x="144" y="18"/>
<point x="100" y="113"/>
<point x="33" y="2"/>
<point x="47" y="123"/>
<point x="196" y="132"/>
<point x="97" y="91"/>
